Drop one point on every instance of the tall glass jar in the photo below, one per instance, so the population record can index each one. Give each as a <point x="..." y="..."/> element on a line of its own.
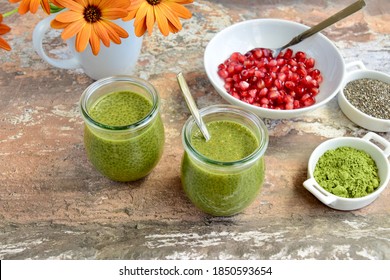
<point x="129" y="151"/>
<point x="223" y="188"/>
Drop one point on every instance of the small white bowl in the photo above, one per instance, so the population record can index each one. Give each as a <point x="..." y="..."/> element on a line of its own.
<point x="365" y="144"/>
<point x="355" y="115"/>
<point x="271" y="33"/>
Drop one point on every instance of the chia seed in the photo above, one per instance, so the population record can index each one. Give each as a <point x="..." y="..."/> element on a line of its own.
<point x="369" y="96"/>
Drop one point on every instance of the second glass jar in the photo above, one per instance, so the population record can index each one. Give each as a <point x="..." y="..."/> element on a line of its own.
<point x="218" y="187"/>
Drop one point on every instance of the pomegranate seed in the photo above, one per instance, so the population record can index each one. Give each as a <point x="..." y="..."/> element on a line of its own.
<point x="223" y="73"/>
<point x="252" y="92"/>
<point x="314" y="91"/>
<point x="308" y="102"/>
<point x="305" y="96"/>
<point x="260" y="84"/>
<point x="257" y="53"/>
<point x="238" y="68"/>
<point x="301" y="71"/>
<point x="315" y="73"/>
<point x="300" y="55"/>
<point x="289" y="85"/>
<point x="230" y="69"/>
<point x="243" y="85"/>
<point x="288" y="54"/>
<point x="268" y="81"/>
<point x="282" y="77"/>
<point x="264" y="101"/>
<point x="273" y="94"/>
<point x="263" y="92"/>
<point x="288" y="99"/>
<point x="279" y="84"/>
<point x="280" y="61"/>
<point x="235" y="95"/>
<point x="292" y="62"/>
<point x="289" y="106"/>
<point x="272" y="63"/>
<point x="310" y="62"/>
<point x="244" y="73"/>
<point x="285" y="68"/>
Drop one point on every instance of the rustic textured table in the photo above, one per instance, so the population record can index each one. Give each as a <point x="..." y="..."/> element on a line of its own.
<point x="54" y="205"/>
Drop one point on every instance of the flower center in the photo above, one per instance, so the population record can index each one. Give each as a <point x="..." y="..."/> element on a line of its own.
<point x="153" y="2"/>
<point x="92" y="13"/>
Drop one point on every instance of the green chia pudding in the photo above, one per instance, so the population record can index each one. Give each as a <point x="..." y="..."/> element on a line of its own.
<point x="123" y="154"/>
<point x="227" y="190"/>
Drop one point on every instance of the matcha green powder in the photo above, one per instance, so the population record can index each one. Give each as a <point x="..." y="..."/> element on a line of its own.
<point x="347" y="172"/>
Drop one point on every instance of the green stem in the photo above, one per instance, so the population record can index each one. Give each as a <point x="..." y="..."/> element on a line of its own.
<point x="7" y="14"/>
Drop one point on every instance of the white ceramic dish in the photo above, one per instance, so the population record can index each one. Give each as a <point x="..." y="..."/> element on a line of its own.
<point x="355" y="115"/>
<point x="270" y="33"/>
<point x="365" y="144"/>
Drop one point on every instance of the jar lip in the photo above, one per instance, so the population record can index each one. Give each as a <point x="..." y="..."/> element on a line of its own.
<point x="120" y="78"/>
<point x="233" y="110"/>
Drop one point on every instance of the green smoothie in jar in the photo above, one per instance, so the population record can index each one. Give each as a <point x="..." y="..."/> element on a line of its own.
<point x="224" y="175"/>
<point x="124" y="134"/>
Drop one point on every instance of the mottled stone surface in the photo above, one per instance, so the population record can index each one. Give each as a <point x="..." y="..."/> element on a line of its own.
<point x="54" y="205"/>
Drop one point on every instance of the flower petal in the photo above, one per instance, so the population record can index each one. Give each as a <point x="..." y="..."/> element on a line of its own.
<point x="122" y="4"/>
<point x="141" y="13"/>
<point x="69" y="16"/>
<point x="179" y="10"/>
<point x="55" y="24"/>
<point x="169" y="14"/>
<point x="4" y="45"/>
<point x="45" y="6"/>
<point x="140" y="28"/>
<point x="173" y="28"/>
<point x="114" y="13"/>
<point x="102" y="33"/>
<point x="111" y="32"/>
<point x="72" y="29"/>
<point x="161" y="21"/>
<point x="94" y="42"/>
<point x="150" y="19"/>
<point x="71" y="5"/>
<point x="82" y="37"/>
<point x="4" y="29"/>
<point x="117" y="29"/>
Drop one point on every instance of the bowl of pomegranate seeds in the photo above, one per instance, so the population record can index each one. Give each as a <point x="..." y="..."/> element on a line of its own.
<point x="242" y="69"/>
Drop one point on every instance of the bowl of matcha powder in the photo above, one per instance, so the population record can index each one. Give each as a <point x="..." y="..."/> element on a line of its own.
<point x="348" y="173"/>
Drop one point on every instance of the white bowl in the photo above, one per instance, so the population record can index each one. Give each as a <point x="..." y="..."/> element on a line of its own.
<point x="271" y="33"/>
<point x="365" y="144"/>
<point x="355" y="115"/>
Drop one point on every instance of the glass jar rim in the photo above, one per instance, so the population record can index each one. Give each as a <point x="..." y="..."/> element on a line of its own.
<point x="233" y="110"/>
<point x="120" y="78"/>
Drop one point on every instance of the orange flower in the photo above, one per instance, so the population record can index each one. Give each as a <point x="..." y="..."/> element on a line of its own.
<point x="165" y="12"/>
<point x="91" y="21"/>
<point x="32" y="6"/>
<point x="4" y="29"/>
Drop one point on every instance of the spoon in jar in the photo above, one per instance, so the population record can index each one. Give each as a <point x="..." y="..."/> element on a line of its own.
<point x="192" y="106"/>
<point x="322" y="25"/>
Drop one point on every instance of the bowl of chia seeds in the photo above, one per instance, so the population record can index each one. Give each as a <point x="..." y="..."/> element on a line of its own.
<point x="349" y="173"/>
<point x="365" y="97"/>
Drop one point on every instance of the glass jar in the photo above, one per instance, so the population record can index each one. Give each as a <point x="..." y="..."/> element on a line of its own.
<point x="129" y="151"/>
<point x="223" y="188"/>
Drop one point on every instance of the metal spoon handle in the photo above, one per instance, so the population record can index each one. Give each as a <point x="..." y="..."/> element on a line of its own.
<point x="192" y="106"/>
<point x="329" y="21"/>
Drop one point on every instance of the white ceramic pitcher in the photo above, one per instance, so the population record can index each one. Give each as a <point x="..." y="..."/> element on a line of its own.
<point x="117" y="59"/>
